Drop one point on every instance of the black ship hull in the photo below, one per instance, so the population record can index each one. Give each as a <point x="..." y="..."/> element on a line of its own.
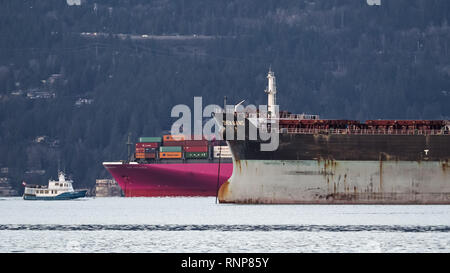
<point x="341" y="167"/>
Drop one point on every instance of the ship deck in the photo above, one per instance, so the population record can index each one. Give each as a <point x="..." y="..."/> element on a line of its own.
<point x="362" y="131"/>
<point x="175" y="161"/>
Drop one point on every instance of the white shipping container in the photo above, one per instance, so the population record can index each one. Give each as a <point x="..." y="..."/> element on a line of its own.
<point x="216" y="157"/>
<point x="223" y="150"/>
<point x="222" y="155"/>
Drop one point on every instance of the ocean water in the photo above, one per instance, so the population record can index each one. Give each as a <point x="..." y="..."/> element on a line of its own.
<point x="201" y="225"/>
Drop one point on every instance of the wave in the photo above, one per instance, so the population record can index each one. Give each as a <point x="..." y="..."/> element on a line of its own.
<point x="307" y="228"/>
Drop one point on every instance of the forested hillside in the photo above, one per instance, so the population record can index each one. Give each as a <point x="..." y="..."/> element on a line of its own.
<point x="76" y="79"/>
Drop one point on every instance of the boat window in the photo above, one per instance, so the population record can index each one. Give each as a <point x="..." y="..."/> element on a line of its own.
<point x="56" y="184"/>
<point x="46" y="191"/>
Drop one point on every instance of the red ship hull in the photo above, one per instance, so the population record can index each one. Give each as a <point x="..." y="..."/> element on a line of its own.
<point x="177" y="179"/>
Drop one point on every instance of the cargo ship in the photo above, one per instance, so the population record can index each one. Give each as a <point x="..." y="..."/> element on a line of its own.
<point x="173" y="166"/>
<point x="325" y="161"/>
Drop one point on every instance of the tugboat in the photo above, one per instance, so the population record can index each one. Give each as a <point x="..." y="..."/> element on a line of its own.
<point x="56" y="190"/>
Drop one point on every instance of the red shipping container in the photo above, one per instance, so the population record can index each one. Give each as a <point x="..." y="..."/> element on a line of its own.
<point x="199" y="149"/>
<point x="150" y="155"/>
<point x="140" y="150"/>
<point x="174" y="143"/>
<point x="147" y="145"/>
<point x="196" y="142"/>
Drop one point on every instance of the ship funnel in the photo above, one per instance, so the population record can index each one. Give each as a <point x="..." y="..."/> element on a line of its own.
<point x="271" y="93"/>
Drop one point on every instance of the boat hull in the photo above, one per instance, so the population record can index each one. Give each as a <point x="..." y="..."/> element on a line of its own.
<point x="62" y="196"/>
<point x="337" y="182"/>
<point x="177" y="179"/>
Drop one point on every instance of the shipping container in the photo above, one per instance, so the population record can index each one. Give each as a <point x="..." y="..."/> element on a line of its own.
<point x="174" y="143"/>
<point x="150" y="155"/>
<point x="150" y="150"/>
<point x="140" y="155"/>
<point x="195" y="155"/>
<point x="165" y="155"/>
<point x="150" y="139"/>
<point x="140" y="150"/>
<point x="196" y="143"/>
<point x="222" y="155"/>
<point x="221" y="148"/>
<point x="173" y="138"/>
<point x="197" y="149"/>
<point x="197" y="137"/>
<point x="170" y="149"/>
<point x="222" y="151"/>
<point x="147" y="145"/>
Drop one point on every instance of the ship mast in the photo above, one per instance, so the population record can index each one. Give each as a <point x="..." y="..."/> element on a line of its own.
<point x="129" y="146"/>
<point x="271" y="93"/>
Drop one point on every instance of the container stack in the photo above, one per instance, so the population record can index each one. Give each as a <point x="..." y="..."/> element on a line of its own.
<point x="222" y="151"/>
<point x="147" y="147"/>
<point x="166" y="152"/>
<point x="196" y="149"/>
<point x="177" y="147"/>
<point x="172" y="147"/>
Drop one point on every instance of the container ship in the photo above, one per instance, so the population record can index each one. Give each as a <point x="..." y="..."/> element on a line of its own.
<point x="173" y="166"/>
<point x="325" y="161"/>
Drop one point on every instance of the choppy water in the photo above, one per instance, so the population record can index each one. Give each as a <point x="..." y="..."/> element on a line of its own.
<point x="200" y="225"/>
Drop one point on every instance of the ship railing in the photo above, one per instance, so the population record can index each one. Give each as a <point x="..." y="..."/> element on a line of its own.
<point x="359" y="131"/>
<point x="299" y="117"/>
<point x="264" y="115"/>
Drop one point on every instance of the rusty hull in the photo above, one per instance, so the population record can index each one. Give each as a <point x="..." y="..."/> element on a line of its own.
<point x="337" y="182"/>
<point x="326" y="168"/>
